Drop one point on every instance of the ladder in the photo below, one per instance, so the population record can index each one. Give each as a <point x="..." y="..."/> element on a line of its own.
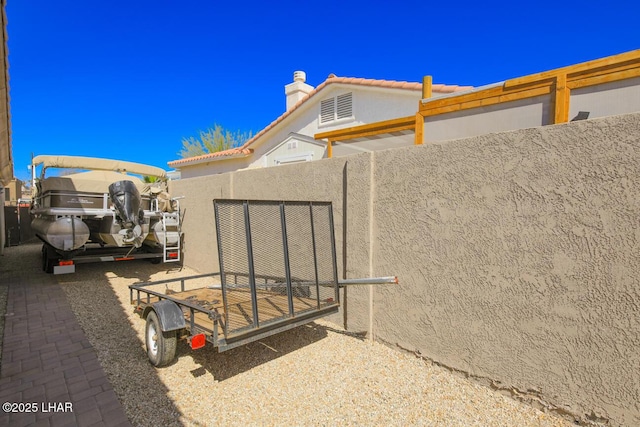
<point x="171" y="228"/>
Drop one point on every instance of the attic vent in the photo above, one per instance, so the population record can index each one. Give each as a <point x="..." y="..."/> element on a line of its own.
<point x="292" y="145"/>
<point x="327" y="110"/>
<point x="344" y="106"/>
<point x="340" y="107"/>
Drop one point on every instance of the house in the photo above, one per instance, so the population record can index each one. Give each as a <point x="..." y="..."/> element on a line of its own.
<point x="337" y="103"/>
<point x="13" y="192"/>
<point x="597" y="88"/>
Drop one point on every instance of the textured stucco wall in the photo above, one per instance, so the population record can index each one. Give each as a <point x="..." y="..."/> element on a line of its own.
<point x="200" y="249"/>
<point x="518" y="254"/>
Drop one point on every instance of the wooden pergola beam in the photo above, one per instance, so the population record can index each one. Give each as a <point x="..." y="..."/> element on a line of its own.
<point x="561" y="109"/>
<point x="386" y="126"/>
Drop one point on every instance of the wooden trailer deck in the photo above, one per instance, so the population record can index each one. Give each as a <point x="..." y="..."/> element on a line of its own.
<point x="271" y="306"/>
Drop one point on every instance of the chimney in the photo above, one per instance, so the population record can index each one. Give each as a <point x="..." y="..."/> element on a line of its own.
<point x="297" y="90"/>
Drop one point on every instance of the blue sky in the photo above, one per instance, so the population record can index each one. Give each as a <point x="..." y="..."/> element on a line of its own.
<point x="131" y="79"/>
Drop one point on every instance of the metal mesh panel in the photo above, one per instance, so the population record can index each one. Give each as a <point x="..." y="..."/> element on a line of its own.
<point x="269" y="261"/>
<point x="323" y="228"/>
<point x="301" y="255"/>
<point x="234" y="265"/>
<point x="268" y="275"/>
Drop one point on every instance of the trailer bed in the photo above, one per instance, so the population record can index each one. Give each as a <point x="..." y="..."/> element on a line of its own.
<point x="271" y="306"/>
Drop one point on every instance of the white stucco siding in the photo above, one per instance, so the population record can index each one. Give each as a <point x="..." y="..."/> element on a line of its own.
<point x="294" y="123"/>
<point x="369" y="105"/>
<point x="287" y="152"/>
<point x="376" y="106"/>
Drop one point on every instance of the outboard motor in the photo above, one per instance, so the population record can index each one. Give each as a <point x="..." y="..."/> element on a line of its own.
<point x="126" y="199"/>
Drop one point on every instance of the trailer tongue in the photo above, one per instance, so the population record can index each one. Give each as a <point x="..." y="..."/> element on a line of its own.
<point x="277" y="271"/>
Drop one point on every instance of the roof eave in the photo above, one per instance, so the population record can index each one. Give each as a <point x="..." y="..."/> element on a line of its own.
<point x="177" y="164"/>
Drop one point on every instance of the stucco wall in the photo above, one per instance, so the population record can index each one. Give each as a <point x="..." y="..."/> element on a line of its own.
<point x="200" y="248"/>
<point x="518" y="254"/>
<point x="607" y="99"/>
<point x="525" y="113"/>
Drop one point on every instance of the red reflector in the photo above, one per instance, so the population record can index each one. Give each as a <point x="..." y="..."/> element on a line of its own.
<point x="197" y="341"/>
<point x="329" y="299"/>
<point x="173" y="255"/>
<point x="124" y="258"/>
<point x="68" y="262"/>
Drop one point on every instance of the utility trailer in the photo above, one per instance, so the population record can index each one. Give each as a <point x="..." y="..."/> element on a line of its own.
<point x="278" y="271"/>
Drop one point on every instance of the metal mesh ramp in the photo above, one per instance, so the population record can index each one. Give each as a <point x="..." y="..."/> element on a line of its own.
<point x="277" y="263"/>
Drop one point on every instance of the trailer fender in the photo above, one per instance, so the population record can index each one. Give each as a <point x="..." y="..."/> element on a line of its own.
<point x="169" y="314"/>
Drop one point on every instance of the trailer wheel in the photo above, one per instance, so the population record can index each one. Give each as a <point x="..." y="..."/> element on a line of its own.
<point x="161" y="346"/>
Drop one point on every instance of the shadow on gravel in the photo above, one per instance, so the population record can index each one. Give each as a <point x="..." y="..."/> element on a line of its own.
<point x="241" y="359"/>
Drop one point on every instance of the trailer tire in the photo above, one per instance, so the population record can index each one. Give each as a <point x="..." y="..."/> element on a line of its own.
<point x="161" y="346"/>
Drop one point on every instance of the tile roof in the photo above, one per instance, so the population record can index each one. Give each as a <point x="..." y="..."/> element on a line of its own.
<point x="233" y="152"/>
<point x="332" y="79"/>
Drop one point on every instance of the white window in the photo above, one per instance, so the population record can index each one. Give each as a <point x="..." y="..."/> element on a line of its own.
<point x="339" y="107"/>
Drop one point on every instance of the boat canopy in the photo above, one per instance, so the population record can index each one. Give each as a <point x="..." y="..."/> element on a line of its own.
<point x="90" y="182"/>
<point x="94" y="163"/>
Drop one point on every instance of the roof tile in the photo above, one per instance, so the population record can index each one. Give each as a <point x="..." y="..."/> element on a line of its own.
<point x="225" y="153"/>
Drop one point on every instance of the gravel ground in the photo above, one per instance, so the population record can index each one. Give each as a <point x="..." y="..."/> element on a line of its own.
<point x="316" y="374"/>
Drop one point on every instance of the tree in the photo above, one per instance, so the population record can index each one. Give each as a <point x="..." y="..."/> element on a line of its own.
<point x="212" y="140"/>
